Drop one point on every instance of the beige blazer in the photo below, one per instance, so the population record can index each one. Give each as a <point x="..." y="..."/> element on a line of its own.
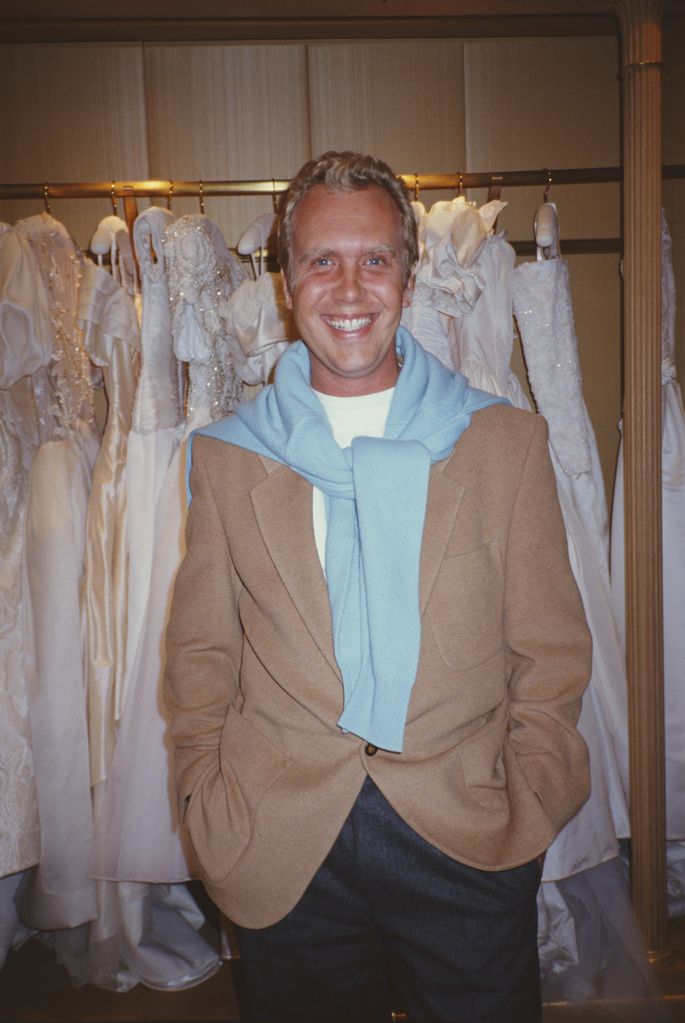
<point x="492" y="766"/>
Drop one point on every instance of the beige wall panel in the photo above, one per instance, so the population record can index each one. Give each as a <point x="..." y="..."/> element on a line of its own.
<point x="402" y="101"/>
<point x="226" y="113"/>
<point x="555" y="103"/>
<point x="536" y="103"/>
<point x="71" y="113"/>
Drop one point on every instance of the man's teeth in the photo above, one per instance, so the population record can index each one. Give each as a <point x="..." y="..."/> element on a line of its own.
<point x="355" y="324"/>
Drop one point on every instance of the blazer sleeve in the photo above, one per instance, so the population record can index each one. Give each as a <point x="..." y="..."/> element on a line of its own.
<point x="203" y="640"/>
<point x="549" y="648"/>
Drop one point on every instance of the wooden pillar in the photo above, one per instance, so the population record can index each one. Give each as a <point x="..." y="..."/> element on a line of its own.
<point x="640" y="22"/>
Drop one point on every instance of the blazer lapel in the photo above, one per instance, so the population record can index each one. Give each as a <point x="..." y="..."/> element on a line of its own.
<point x="444" y="498"/>
<point x="282" y="504"/>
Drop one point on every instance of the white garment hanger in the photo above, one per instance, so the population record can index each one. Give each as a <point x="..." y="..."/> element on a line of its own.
<point x="111" y="237"/>
<point x="546" y="226"/>
<point x="254" y="239"/>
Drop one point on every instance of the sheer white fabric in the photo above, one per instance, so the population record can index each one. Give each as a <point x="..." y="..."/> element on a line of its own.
<point x="144" y="842"/>
<point x="107" y="317"/>
<point x="574" y="957"/>
<point x="58" y="892"/>
<point x="24" y="335"/>
<point x="158" y="420"/>
<point x="673" y="525"/>
<point x="573" y="960"/>
<point x="127" y="818"/>
<point x="142" y="932"/>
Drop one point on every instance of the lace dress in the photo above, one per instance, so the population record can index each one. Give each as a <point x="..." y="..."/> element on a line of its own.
<point x="145" y="842"/>
<point x="446" y="285"/>
<point x="24" y="349"/>
<point x="158" y="420"/>
<point x="572" y="964"/>
<point x="158" y="426"/>
<point x="142" y="932"/>
<point x="583" y="876"/>
<point x="110" y="327"/>
<point x="58" y="892"/>
<point x="673" y="526"/>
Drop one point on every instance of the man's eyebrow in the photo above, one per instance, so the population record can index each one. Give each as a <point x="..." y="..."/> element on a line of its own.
<point x="318" y="253"/>
<point x="315" y="253"/>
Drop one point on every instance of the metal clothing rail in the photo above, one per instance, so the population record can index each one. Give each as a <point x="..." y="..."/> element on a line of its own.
<point x="270" y="186"/>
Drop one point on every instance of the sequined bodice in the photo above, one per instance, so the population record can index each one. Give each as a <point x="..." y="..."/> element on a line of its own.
<point x="64" y="396"/>
<point x="159" y="395"/>
<point x="202" y="273"/>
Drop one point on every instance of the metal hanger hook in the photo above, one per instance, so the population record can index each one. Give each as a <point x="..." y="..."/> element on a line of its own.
<point x="545" y="195"/>
<point x="115" y="206"/>
<point x="46" y="197"/>
<point x="202" y="197"/>
<point x="170" y="195"/>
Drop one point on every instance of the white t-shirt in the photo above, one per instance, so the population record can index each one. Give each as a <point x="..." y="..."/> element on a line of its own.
<point x="359" y="416"/>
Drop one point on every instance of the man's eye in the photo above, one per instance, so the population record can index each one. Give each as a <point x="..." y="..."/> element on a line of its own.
<point x="322" y="261"/>
<point x="376" y="261"/>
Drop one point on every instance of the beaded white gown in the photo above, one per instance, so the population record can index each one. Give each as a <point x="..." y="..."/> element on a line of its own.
<point x="578" y="961"/>
<point x="24" y="349"/>
<point x="589" y="942"/>
<point x="58" y="892"/>
<point x="111" y="338"/>
<point x="144" y="841"/>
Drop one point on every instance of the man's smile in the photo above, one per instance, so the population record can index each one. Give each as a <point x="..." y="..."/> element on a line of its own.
<point x="350" y="324"/>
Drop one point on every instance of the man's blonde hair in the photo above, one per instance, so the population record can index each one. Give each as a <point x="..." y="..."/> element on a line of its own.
<point x="347" y="172"/>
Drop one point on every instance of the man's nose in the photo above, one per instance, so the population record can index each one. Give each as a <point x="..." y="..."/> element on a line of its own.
<point x="349" y="285"/>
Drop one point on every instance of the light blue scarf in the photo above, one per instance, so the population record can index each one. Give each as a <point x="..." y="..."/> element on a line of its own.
<point x="375" y="493"/>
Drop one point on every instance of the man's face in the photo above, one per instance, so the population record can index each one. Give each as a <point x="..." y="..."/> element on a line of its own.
<point x="347" y="294"/>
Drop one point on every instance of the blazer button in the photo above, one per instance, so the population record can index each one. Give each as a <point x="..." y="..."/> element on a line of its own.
<point x="370" y="749"/>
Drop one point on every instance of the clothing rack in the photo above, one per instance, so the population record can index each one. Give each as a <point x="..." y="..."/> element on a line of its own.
<point x="169" y="189"/>
<point x="130" y="191"/>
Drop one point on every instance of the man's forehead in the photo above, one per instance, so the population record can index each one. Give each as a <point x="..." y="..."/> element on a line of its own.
<point x="321" y="207"/>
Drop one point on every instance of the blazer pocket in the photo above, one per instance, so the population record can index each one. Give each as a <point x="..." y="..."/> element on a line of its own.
<point x="466" y="608"/>
<point x="220" y="815"/>
<point x="483" y="763"/>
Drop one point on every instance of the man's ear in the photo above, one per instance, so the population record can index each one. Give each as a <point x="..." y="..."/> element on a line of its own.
<point x="286" y="292"/>
<point x="408" y="292"/>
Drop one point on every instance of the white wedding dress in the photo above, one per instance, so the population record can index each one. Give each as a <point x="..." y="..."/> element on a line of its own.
<point x="142" y="933"/>
<point x="574" y="963"/>
<point x="589" y="942"/>
<point x="24" y="350"/>
<point x="126" y="820"/>
<point x="144" y="841"/>
<point x="108" y="319"/>
<point x="58" y="892"/>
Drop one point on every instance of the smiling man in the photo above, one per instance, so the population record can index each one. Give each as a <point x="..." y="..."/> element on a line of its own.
<point x="376" y="651"/>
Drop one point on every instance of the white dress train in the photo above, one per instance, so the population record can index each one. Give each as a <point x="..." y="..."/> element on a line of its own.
<point x="145" y="842"/>
<point x="585" y="854"/>
<point x="583" y="879"/>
